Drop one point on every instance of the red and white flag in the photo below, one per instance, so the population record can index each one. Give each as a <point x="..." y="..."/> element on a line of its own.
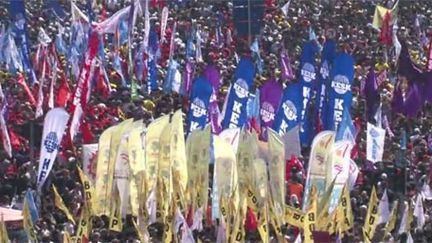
<point x="89" y="158"/>
<point x="4" y="130"/>
<point x="82" y="89"/>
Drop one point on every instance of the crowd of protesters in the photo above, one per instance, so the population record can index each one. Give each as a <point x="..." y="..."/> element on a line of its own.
<point x="402" y="173"/>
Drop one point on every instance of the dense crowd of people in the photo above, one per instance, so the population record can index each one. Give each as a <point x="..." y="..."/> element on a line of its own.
<point x="406" y="165"/>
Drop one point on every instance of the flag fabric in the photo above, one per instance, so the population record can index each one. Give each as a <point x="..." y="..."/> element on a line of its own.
<point x="310" y="218"/>
<point x="289" y="112"/>
<point x="270" y="96"/>
<point x="88" y="190"/>
<point x="318" y="163"/>
<point x="28" y="220"/>
<point x="307" y="77"/>
<point x="372" y="216"/>
<point x="285" y="8"/>
<point x="381" y="12"/>
<point x="89" y="160"/>
<point x="429" y="57"/>
<point x="339" y="92"/>
<point x="187" y="78"/>
<point x="18" y="18"/>
<point x="32" y="209"/>
<point x="419" y="211"/>
<point x="345" y="215"/>
<point x="276" y="168"/>
<point x="4" y="237"/>
<point x="3" y="125"/>
<point x="291" y="140"/>
<point x="371" y="93"/>
<point x="353" y="174"/>
<point x="82" y="89"/>
<point x="235" y="110"/>
<point x="58" y="202"/>
<point x="212" y="74"/>
<point x="374" y="143"/>
<point x="285" y="65"/>
<point x="200" y="100"/>
<point x="327" y="57"/>
<point x="384" y="208"/>
<point x="391" y="223"/>
<point x="53" y="129"/>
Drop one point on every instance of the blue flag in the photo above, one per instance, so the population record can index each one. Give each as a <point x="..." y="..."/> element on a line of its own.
<point x="200" y="100"/>
<point x="235" y="112"/>
<point x="19" y="29"/>
<point x="327" y="56"/>
<point x="307" y="79"/>
<point x="339" y="92"/>
<point x="32" y="206"/>
<point x="253" y="106"/>
<point x="346" y="130"/>
<point x="152" y="75"/>
<point x="289" y="112"/>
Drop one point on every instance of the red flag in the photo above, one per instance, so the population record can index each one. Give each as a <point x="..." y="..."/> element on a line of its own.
<point x="87" y="134"/>
<point x="22" y="82"/>
<point x="64" y="92"/>
<point x="82" y="91"/>
<point x="251" y="221"/>
<point x="386" y="31"/>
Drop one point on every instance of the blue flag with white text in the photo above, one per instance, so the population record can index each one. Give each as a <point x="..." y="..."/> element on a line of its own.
<point x="235" y="111"/>
<point x="289" y="112"/>
<point x="307" y="79"/>
<point x="340" y="94"/>
<point x="199" y="103"/>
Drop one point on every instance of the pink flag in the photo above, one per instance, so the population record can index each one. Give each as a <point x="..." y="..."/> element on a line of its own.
<point x="429" y="56"/>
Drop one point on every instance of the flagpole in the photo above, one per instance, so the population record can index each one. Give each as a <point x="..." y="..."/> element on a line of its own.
<point x="32" y="141"/>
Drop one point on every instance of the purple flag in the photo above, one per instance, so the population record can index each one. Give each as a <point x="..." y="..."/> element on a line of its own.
<point x="187" y="83"/>
<point x="285" y="64"/>
<point x="213" y="75"/>
<point x="409" y="101"/>
<point x="371" y="93"/>
<point x="270" y="97"/>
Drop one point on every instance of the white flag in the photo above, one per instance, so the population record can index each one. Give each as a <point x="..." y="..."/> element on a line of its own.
<point x="4" y="130"/>
<point x="89" y="160"/>
<point x="384" y="208"/>
<point x="231" y="136"/>
<point x="404" y="221"/>
<point x="426" y="191"/>
<point x="164" y="20"/>
<point x="285" y="8"/>
<point x="54" y="127"/>
<point x="375" y="143"/>
<point x="291" y="140"/>
<point x="419" y="211"/>
<point x="353" y="174"/>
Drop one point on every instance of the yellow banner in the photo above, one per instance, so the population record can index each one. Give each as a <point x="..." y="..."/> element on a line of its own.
<point x="116" y="223"/>
<point x="225" y="171"/>
<point x="58" y="201"/>
<point x="345" y="216"/>
<point x="83" y="227"/>
<point x="390" y="225"/>
<point x="27" y="222"/>
<point x="372" y="216"/>
<point x="276" y="167"/>
<point x="101" y="202"/>
<point x="88" y="190"/>
<point x="318" y="162"/>
<point x="137" y="166"/>
<point x="247" y="152"/>
<point x="178" y="150"/>
<point x="310" y="217"/>
<point x="294" y="217"/>
<point x="164" y="171"/>
<point x="324" y="206"/>
<point x="152" y="149"/>
<point x="263" y="229"/>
